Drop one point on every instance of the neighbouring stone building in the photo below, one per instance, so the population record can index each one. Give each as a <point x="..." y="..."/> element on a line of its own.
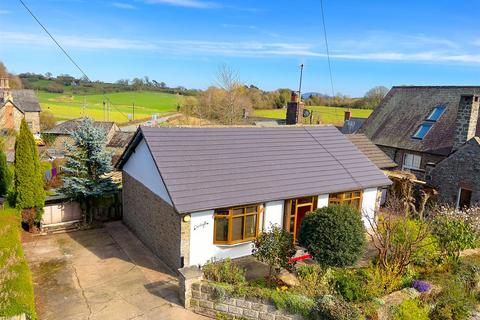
<point x="16" y="105"/>
<point x="457" y="178"/>
<point x="432" y="132"/>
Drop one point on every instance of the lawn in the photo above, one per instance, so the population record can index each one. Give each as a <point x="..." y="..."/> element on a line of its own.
<point x="327" y="115"/>
<point x="16" y="293"/>
<point x="68" y="106"/>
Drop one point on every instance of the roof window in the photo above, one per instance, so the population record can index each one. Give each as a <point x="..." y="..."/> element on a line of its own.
<point x="422" y="130"/>
<point x="436" y="113"/>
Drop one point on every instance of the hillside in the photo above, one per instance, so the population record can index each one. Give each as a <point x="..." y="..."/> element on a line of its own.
<point x="69" y="106"/>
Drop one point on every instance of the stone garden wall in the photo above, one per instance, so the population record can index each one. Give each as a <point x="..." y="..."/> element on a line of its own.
<point x="205" y="301"/>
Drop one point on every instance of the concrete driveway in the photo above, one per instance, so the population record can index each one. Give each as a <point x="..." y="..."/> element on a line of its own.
<point x="101" y="274"/>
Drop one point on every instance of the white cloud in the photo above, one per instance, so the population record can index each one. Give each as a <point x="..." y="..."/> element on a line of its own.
<point x="122" y="5"/>
<point x="4" y="12"/>
<point x="201" y="48"/>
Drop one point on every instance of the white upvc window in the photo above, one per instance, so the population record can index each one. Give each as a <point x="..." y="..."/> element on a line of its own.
<point x="412" y="161"/>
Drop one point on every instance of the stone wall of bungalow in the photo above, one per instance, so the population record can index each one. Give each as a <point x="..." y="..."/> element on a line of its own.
<point x="202" y="227"/>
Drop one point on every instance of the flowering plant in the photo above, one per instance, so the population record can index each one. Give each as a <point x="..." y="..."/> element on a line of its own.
<point x="421" y="286"/>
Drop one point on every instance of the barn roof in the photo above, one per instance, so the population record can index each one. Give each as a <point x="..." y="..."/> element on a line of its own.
<point x="206" y="168"/>
<point x="67" y="127"/>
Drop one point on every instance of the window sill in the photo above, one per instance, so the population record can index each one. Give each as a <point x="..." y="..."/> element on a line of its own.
<point x="233" y="244"/>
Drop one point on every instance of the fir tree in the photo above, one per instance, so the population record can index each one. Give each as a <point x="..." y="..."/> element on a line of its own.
<point x="29" y="192"/>
<point x="5" y="174"/>
<point x="87" y="163"/>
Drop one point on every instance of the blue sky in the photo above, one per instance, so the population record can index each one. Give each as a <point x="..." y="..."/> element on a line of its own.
<point x="183" y="42"/>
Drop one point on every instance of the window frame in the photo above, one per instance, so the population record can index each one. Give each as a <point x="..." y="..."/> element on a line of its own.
<point x="340" y="199"/>
<point x="230" y="216"/>
<point x="438" y="107"/>
<point x="428" y="124"/>
<point x="408" y="167"/>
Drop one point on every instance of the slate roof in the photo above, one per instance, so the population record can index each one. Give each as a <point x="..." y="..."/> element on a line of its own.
<point x="120" y="139"/>
<point x="352" y="125"/>
<point x="405" y="108"/>
<point x="368" y="148"/>
<point x="24" y="99"/>
<point x="65" y="128"/>
<point x="207" y="168"/>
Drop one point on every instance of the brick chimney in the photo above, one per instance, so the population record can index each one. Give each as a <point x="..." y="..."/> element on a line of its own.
<point x="348" y="115"/>
<point x="467" y="118"/>
<point x="294" y="110"/>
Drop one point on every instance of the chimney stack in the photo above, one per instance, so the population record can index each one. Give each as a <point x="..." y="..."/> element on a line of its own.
<point x="294" y="110"/>
<point x="467" y="118"/>
<point x="5" y="88"/>
<point x="348" y="115"/>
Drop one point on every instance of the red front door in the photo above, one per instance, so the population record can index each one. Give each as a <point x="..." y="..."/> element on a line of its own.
<point x="301" y="212"/>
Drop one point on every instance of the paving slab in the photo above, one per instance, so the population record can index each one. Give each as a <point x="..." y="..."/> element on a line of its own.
<point x="104" y="273"/>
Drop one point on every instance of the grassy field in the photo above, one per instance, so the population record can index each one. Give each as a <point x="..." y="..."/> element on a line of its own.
<point x="17" y="291"/>
<point x="67" y="106"/>
<point x="327" y="115"/>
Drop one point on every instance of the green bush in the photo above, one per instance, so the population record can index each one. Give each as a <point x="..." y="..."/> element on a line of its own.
<point x="331" y="308"/>
<point x="334" y="236"/>
<point x="454" y="235"/>
<point x="453" y="303"/>
<point x="293" y="303"/>
<point x="224" y="271"/>
<point x="351" y="285"/>
<point x="313" y="280"/>
<point x="428" y="253"/>
<point x="468" y="273"/>
<point x="275" y="248"/>
<point x="412" y="309"/>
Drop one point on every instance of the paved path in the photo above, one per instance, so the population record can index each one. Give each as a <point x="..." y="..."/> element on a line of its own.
<point x="101" y="274"/>
<point x="133" y="127"/>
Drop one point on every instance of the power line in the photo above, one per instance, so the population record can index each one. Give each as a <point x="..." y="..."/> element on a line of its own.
<point x="56" y="42"/>
<point x="326" y="45"/>
<point x="63" y="50"/>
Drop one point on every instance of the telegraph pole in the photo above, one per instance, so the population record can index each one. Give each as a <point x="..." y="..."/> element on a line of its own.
<point x="300" y="86"/>
<point x="133" y="110"/>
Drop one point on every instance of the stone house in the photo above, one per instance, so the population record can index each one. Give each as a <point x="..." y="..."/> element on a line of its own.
<point x="195" y="194"/>
<point x="422" y="125"/>
<point x="16" y="105"/>
<point x="62" y="131"/>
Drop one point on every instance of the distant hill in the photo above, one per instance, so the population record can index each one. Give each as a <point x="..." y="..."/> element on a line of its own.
<point x="307" y="95"/>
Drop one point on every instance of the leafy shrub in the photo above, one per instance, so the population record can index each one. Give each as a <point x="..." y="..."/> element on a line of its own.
<point x="421" y="286"/>
<point x="351" y="285"/>
<point x="427" y="253"/>
<point x="275" y="248"/>
<point x="454" y="235"/>
<point x="334" y="236"/>
<point x="412" y="309"/>
<point x="313" y="280"/>
<point x="331" y="308"/>
<point x="224" y="271"/>
<point x="294" y="303"/>
<point x="468" y="274"/>
<point x="382" y="281"/>
<point x="453" y="303"/>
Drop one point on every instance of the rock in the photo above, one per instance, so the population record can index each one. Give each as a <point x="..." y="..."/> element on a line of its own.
<point x="394" y="299"/>
<point x="288" y="278"/>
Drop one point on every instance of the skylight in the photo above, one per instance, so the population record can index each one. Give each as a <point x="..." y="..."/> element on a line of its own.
<point x="436" y="113"/>
<point x="422" y="130"/>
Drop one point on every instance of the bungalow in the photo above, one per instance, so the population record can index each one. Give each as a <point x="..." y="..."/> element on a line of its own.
<point x="194" y="194"/>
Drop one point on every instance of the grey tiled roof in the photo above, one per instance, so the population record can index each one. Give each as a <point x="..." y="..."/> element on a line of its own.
<point x="24" y="99"/>
<point x="206" y="168"/>
<point x="377" y="156"/>
<point x="352" y="125"/>
<point x="69" y="126"/>
<point x="405" y="108"/>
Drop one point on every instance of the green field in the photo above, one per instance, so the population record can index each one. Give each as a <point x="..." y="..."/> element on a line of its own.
<point x="327" y="115"/>
<point x="68" y="106"/>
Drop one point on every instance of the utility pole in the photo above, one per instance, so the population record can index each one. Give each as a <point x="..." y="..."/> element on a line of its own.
<point x="133" y="111"/>
<point x="104" y="110"/>
<point x="300" y="86"/>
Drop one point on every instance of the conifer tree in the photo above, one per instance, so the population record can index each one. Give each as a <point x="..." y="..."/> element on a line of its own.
<point x="5" y="175"/>
<point x="29" y="191"/>
<point x="87" y="163"/>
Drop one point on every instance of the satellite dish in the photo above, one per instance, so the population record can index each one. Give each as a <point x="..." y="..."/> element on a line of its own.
<point x="306" y="113"/>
